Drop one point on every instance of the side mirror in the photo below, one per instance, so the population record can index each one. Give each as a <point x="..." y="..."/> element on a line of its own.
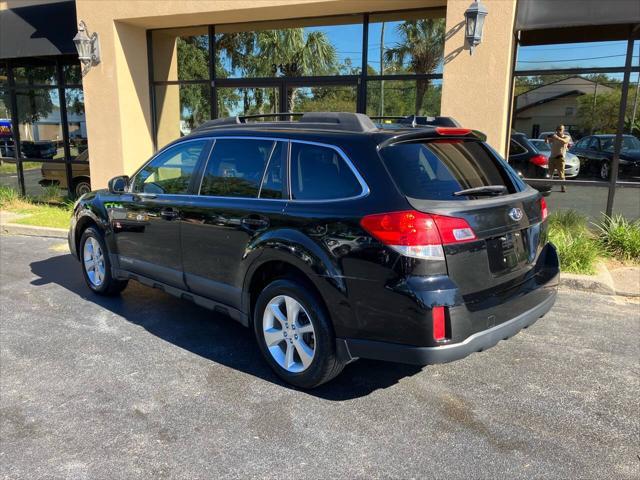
<point x="118" y="184"/>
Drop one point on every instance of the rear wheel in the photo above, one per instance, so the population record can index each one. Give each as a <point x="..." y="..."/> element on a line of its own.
<point x="604" y="170"/>
<point x="96" y="266"/>
<point x="81" y="186"/>
<point x="295" y="335"/>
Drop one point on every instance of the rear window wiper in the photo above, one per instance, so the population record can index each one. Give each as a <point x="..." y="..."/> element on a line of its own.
<point x="486" y="190"/>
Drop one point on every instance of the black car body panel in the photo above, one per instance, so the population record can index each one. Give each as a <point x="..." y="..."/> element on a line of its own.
<point x="596" y="150"/>
<point x="209" y="249"/>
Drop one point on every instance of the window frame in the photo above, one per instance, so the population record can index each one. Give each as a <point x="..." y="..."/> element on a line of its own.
<point x="206" y="151"/>
<point x="524" y="150"/>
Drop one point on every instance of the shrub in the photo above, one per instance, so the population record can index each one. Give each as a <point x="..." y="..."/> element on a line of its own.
<point x="7" y="196"/>
<point x="578" y="251"/>
<point x="620" y="238"/>
<point x="568" y="220"/>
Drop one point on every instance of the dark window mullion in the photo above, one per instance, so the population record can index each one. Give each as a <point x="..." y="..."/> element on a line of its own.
<point x="15" y="130"/>
<point x="62" y="98"/>
<point x="213" y="94"/>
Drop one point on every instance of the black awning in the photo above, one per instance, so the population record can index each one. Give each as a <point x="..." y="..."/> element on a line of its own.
<point x="566" y="21"/>
<point x="38" y="30"/>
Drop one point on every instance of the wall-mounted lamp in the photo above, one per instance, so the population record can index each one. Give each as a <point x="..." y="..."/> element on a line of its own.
<point x="474" y="18"/>
<point x="88" y="48"/>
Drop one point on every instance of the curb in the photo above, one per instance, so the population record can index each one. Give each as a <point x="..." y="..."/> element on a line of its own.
<point x="601" y="283"/>
<point x="32" y="230"/>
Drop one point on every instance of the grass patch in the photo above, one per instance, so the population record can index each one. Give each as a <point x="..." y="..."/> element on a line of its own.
<point x="36" y="212"/>
<point x="11" y="168"/>
<point x="578" y="248"/>
<point x="620" y="238"/>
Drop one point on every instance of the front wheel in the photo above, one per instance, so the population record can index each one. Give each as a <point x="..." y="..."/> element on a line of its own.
<point x="295" y="335"/>
<point x="96" y="266"/>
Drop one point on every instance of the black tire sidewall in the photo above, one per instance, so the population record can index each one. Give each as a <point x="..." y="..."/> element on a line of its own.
<point x="325" y="354"/>
<point x="108" y="279"/>
<point x="76" y="186"/>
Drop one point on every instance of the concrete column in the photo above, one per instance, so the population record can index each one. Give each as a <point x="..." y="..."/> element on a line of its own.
<point x="476" y="88"/>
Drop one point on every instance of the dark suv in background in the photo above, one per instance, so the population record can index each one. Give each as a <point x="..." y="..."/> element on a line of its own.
<point x="331" y="238"/>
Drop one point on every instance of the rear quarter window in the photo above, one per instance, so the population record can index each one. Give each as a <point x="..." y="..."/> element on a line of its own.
<point x="435" y="170"/>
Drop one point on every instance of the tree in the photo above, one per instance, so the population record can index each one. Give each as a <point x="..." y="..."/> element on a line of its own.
<point x="422" y="47"/>
<point x="603" y="117"/>
<point x="295" y="53"/>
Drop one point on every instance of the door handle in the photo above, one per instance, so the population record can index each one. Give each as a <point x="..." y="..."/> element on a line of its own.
<point x="169" y="213"/>
<point x="255" y="222"/>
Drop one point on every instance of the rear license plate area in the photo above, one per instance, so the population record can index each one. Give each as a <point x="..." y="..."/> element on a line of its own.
<point x="507" y="252"/>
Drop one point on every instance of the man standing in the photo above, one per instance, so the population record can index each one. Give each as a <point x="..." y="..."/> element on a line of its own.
<point x="559" y="142"/>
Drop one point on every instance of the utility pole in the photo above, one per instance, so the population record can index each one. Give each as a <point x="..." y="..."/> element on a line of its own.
<point x="593" y="107"/>
<point x="382" y="70"/>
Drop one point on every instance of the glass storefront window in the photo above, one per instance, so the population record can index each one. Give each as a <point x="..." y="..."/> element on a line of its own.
<point x="39" y="123"/>
<point x="181" y="54"/>
<point x="406" y="42"/>
<point x="76" y="121"/>
<point x="181" y="108"/>
<point x="404" y="97"/>
<point x="72" y="74"/>
<point x="295" y="48"/>
<point x="247" y="101"/>
<point x="331" y="98"/>
<point x="35" y="72"/>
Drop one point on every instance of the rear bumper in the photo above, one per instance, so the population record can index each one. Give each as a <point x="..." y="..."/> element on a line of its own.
<point x="477" y="342"/>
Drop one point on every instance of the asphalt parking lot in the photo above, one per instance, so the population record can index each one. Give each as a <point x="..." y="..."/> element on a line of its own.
<point x="149" y="386"/>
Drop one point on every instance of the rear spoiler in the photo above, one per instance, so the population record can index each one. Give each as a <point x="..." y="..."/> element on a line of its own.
<point x="415" y="121"/>
<point x="435" y="133"/>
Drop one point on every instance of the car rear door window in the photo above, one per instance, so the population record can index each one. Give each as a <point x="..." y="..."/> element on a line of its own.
<point x="435" y="170"/>
<point x="273" y="179"/>
<point x="236" y="167"/>
<point x="320" y="173"/>
<point x="170" y="171"/>
<point x="516" y="149"/>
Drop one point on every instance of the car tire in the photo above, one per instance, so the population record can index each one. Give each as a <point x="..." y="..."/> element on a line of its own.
<point x="302" y="352"/>
<point x="80" y="187"/>
<point x="605" y="170"/>
<point x="96" y="265"/>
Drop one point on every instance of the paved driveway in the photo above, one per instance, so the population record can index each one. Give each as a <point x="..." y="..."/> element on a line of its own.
<point x="148" y="386"/>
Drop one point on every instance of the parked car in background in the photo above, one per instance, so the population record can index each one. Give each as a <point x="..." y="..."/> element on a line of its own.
<point x="596" y="152"/>
<point x="571" y="162"/>
<point x="330" y="238"/>
<point x="38" y="149"/>
<point x="527" y="160"/>
<point x="56" y="174"/>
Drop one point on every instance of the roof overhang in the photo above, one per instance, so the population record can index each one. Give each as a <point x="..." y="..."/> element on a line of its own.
<point x="38" y="30"/>
<point x="549" y="21"/>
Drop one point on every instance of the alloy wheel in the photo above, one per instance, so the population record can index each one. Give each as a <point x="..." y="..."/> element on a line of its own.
<point x="94" y="261"/>
<point x="289" y="333"/>
<point x="604" y="170"/>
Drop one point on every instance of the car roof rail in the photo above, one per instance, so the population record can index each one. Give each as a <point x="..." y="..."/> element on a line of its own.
<point x="344" y="121"/>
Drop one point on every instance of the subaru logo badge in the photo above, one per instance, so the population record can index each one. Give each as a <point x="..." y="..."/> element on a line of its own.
<point x="515" y="214"/>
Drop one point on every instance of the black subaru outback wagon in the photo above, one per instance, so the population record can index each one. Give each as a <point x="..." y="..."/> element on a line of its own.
<point x="331" y="238"/>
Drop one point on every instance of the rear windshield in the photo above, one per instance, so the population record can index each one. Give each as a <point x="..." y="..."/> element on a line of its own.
<point x="435" y="170"/>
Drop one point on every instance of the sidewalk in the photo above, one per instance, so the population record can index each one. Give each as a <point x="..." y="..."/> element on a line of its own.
<point x="7" y="227"/>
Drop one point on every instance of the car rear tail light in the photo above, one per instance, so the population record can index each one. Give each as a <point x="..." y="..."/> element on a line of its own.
<point x="416" y="234"/>
<point x="543" y="208"/>
<point x="438" y="317"/>
<point x="452" y="131"/>
<point x="539" y="160"/>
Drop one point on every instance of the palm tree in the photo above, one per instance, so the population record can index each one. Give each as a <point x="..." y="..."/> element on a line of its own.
<point x="423" y="46"/>
<point x="295" y="54"/>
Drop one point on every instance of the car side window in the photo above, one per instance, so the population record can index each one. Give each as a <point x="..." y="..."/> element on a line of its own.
<point x="235" y="168"/>
<point x="594" y="144"/>
<point x="273" y="180"/>
<point x="515" y="148"/>
<point x="583" y="143"/>
<point x="170" y="172"/>
<point x="320" y="173"/>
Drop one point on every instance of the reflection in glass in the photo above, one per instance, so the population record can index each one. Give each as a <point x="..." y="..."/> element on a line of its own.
<point x="72" y="74"/>
<point x="181" y="54"/>
<point x="76" y="121"/>
<point x="36" y="72"/>
<point x="247" y="101"/>
<point x="181" y="108"/>
<point x="340" y="98"/>
<point x="404" y="97"/>
<point x="398" y="44"/>
<point x="310" y="47"/>
<point x="39" y="123"/>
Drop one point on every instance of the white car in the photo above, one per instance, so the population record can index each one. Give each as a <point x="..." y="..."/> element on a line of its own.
<point x="571" y="162"/>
